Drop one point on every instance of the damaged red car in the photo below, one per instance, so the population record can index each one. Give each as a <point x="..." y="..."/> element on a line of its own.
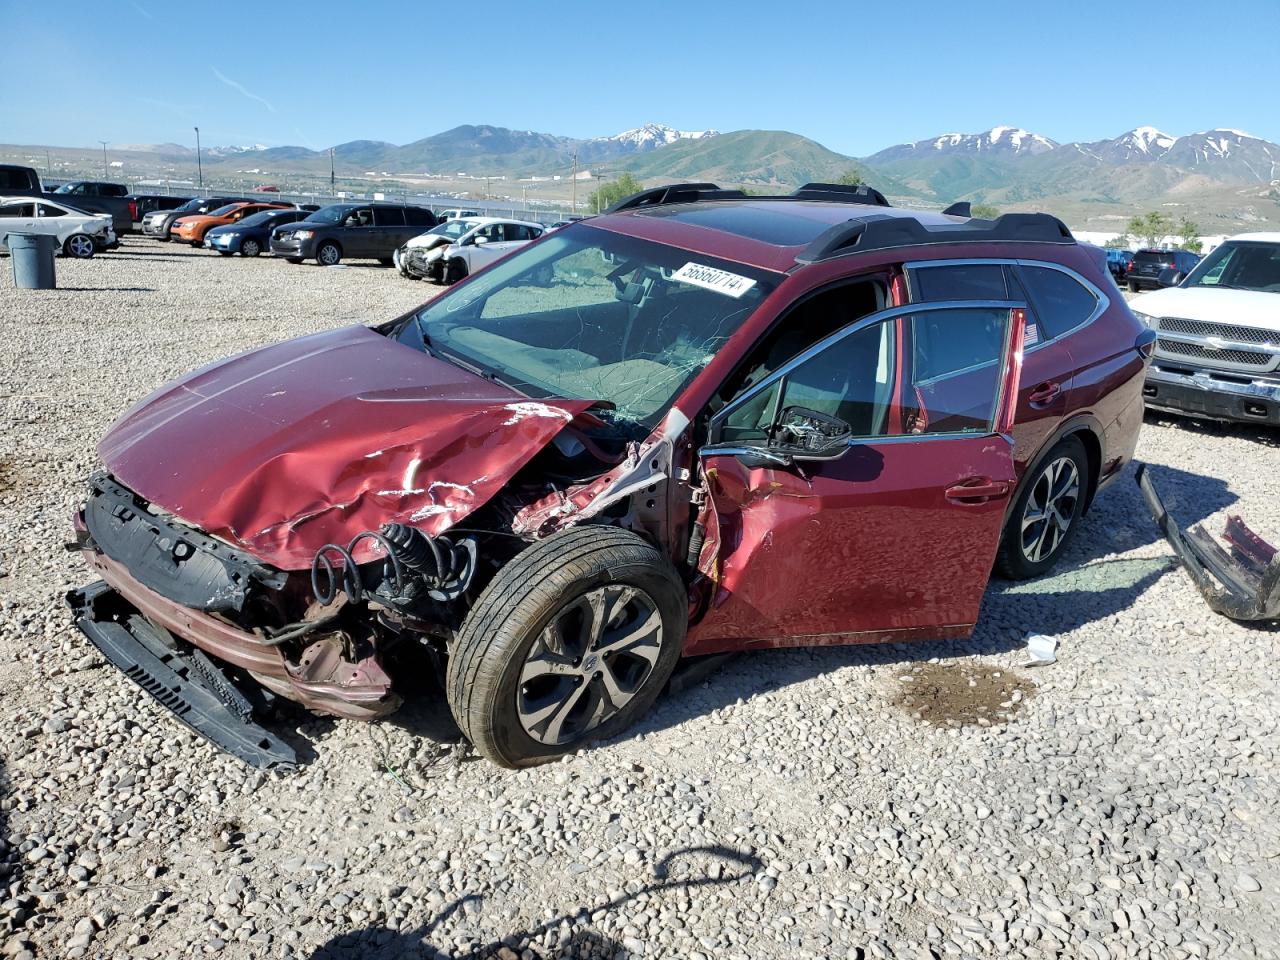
<point x="699" y="423"/>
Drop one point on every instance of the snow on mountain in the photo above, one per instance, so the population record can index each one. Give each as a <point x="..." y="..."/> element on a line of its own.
<point x="998" y="141"/>
<point x="653" y="135"/>
<point x="232" y="151"/>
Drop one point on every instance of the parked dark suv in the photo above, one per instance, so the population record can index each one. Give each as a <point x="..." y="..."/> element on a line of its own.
<point x="355" y="231"/>
<point x="1144" y="272"/>
<point x="701" y="422"/>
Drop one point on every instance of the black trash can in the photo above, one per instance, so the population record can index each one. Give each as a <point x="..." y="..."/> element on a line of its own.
<point x="32" y="256"/>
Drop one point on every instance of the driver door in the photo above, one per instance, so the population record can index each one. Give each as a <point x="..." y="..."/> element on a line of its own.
<point x="858" y="493"/>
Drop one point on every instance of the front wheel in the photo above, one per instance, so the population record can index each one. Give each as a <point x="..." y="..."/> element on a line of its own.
<point x="328" y="255"/>
<point x="1047" y="513"/>
<point x="571" y="641"/>
<point x="250" y="248"/>
<point x="80" y="246"/>
<point x="224" y="253"/>
<point x="454" y="272"/>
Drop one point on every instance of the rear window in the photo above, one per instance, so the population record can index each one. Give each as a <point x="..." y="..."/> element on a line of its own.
<point x="1154" y="256"/>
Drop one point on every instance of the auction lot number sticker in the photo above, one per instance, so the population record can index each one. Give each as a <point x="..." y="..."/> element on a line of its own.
<point x="721" y="281"/>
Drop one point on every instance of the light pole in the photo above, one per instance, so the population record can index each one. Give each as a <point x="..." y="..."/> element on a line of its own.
<point x="332" y="188"/>
<point x="199" y="166"/>
<point x="104" y="158"/>
<point x="575" y="182"/>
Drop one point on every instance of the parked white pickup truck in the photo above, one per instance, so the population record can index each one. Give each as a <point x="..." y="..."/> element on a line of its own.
<point x="1218" y="352"/>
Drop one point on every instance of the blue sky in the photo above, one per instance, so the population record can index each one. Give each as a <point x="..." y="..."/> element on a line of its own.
<point x="854" y="76"/>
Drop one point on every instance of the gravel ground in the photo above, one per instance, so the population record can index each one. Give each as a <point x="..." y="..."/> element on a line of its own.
<point x="903" y="801"/>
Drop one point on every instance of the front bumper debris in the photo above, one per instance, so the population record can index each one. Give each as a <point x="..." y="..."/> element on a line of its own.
<point x="179" y="677"/>
<point x="1217" y="396"/>
<point x="1243" y="584"/>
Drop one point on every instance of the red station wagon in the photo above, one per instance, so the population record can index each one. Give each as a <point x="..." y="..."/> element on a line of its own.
<point x="699" y="423"/>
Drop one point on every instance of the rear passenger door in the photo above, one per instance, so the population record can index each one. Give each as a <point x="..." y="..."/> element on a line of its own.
<point x="1047" y="360"/>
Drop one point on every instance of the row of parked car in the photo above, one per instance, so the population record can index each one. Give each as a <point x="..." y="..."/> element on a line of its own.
<point x="1142" y="270"/>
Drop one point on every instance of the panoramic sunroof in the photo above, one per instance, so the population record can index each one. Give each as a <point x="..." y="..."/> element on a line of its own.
<point x="783" y="224"/>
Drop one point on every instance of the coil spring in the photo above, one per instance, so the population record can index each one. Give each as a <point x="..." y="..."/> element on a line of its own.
<point x="435" y="559"/>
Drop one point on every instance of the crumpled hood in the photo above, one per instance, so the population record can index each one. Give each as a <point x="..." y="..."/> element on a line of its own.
<point x="1245" y="308"/>
<point x="429" y="241"/>
<point x="289" y="447"/>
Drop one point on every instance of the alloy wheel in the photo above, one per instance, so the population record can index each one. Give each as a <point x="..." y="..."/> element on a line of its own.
<point x="1051" y="509"/>
<point x="328" y="255"/>
<point x="81" y="247"/>
<point x="587" y="663"/>
<point x="250" y="248"/>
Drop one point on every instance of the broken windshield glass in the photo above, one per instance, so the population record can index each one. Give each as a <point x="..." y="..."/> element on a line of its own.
<point x="589" y="314"/>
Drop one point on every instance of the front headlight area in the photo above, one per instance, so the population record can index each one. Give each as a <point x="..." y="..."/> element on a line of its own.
<point x="302" y="234"/>
<point x="1147" y="319"/>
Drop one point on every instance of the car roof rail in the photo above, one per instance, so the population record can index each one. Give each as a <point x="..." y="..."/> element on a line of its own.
<point x="674" y="193"/>
<point x="881" y="231"/>
<point x="961" y="208"/>
<point x="841" y="193"/>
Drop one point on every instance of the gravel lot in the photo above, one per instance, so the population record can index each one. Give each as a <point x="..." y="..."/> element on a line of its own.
<point x="904" y="801"/>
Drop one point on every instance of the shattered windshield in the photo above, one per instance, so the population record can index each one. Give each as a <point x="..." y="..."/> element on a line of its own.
<point x="590" y="314"/>
<point x="1240" y="265"/>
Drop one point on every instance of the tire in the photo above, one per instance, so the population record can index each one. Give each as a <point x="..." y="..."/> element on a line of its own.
<point x="501" y="709"/>
<point x="1028" y="547"/>
<point x="1133" y="287"/>
<point x="328" y="254"/>
<point x="196" y="243"/>
<point x="250" y="248"/>
<point x="386" y="261"/>
<point x="80" y="246"/>
<point x="224" y="253"/>
<point x="294" y="259"/>
<point x="455" y="271"/>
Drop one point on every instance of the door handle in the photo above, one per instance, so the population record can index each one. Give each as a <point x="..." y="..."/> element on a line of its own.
<point x="977" y="490"/>
<point x="1045" y="392"/>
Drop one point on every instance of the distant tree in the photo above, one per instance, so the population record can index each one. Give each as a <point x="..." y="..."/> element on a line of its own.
<point x="984" y="211"/>
<point x="851" y="178"/>
<point x="1189" y="235"/>
<point x="611" y="192"/>
<point x="1151" y="228"/>
<point x="1118" y="243"/>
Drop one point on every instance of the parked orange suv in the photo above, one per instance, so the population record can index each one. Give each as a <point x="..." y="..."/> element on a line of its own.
<point x="193" y="228"/>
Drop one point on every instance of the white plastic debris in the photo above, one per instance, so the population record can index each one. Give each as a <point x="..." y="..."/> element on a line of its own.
<point x="1041" y="650"/>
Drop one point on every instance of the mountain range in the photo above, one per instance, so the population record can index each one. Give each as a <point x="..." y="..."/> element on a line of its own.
<point x="1225" y="177"/>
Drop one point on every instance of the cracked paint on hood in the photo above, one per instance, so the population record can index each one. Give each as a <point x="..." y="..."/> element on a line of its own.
<point x="289" y="447"/>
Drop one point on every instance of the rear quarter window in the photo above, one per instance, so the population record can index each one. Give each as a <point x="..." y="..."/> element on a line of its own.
<point x="1061" y="302"/>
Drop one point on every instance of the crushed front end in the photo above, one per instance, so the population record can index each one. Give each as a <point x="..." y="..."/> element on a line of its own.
<point x="170" y="593"/>
<point x="1242" y="583"/>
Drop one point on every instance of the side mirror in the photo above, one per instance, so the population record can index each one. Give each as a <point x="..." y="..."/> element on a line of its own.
<point x="1170" y="277"/>
<point x="479" y="240"/>
<point x="807" y="434"/>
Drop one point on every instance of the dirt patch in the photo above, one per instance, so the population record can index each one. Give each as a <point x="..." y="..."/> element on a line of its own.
<point x="962" y="693"/>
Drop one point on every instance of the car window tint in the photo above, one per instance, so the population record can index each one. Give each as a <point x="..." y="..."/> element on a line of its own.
<point x="18" y="210"/>
<point x="418" y="217"/>
<point x="960" y="281"/>
<point x="389" y="216"/>
<point x="47" y="210"/>
<point x="973" y="281"/>
<point x="14" y="180"/>
<point x="1060" y="301"/>
<point x="857" y="379"/>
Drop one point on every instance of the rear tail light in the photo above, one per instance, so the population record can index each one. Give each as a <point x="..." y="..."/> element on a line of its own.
<point x="133" y="209"/>
<point x="1128" y="267"/>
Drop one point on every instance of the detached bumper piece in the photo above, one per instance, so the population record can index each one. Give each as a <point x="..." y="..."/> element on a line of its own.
<point x="179" y="677"/>
<point x="1243" y="584"/>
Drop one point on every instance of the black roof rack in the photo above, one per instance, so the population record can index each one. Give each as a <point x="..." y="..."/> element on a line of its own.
<point x="697" y="192"/>
<point x="879" y="231"/>
<point x="842" y="193"/>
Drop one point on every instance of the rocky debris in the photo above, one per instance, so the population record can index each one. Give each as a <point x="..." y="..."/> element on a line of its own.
<point x="1123" y="802"/>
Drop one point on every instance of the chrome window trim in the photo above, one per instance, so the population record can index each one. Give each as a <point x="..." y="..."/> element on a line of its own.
<point x="1103" y="301"/>
<point x="861" y="323"/>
